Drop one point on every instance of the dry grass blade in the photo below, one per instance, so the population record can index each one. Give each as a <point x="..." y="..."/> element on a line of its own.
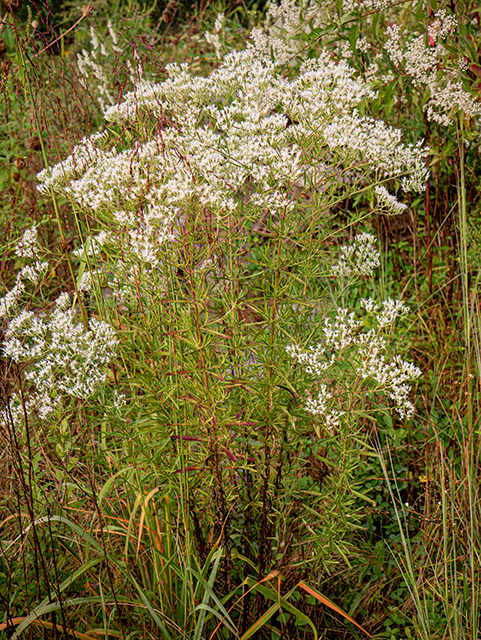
<point x="330" y="604"/>
<point x="13" y="622"/>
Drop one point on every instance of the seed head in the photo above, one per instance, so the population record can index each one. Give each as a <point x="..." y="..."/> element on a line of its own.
<point x="169" y="12"/>
<point x="87" y="10"/>
<point x="12" y="6"/>
<point x="35" y="143"/>
<point x="6" y="66"/>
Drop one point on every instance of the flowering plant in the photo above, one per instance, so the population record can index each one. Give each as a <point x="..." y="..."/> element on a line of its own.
<point x="212" y="199"/>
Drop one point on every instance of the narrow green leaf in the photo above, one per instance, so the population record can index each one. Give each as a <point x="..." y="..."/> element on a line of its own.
<point x="258" y="624"/>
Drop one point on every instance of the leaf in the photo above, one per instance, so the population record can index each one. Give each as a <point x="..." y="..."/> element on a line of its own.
<point x="330" y="604"/>
<point x="21" y="70"/>
<point x="200" y="622"/>
<point x="282" y="601"/>
<point x="375" y="22"/>
<point x="258" y="624"/>
<point x="217" y="614"/>
<point x="9" y="38"/>
<point x="211" y="594"/>
<point x="48" y="625"/>
<point x="353" y="35"/>
<point x="44" y="608"/>
<point x="120" y="566"/>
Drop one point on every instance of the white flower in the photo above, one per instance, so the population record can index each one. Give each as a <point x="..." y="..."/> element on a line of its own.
<point x="389" y="201"/>
<point x="214" y="40"/>
<point x="219" y="23"/>
<point x="319" y="406"/>
<point x="362" y="45"/>
<point x="367" y="354"/>
<point x="26" y="247"/>
<point x="112" y="33"/>
<point x="60" y="356"/>
<point x="9" y="301"/>
<point x="390" y="310"/>
<point x="369" y="304"/>
<point x="359" y="258"/>
<point x="29" y="272"/>
<point x="63" y="301"/>
<point x="119" y="400"/>
<point x="224" y="130"/>
<point x="430" y="71"/>
<point x="33" y="272"/>
<point x="13" y="412"/>
<point x="85" y="284"/>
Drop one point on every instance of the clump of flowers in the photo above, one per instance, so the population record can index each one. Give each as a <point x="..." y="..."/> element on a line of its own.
<point x="106" y="68"/>
<point x="214" y="38"/>
<point x="30" y="273"/>
<point x="26" y="248"/>
<point x="286" y="24"/>
<point x="430" y="70"/>
<point x="61" y="357"/>
<point x="203" y="139"/>
<point x="390" y="202"/>
<point x="359" y="258"/>
<point x="372" y="372"/>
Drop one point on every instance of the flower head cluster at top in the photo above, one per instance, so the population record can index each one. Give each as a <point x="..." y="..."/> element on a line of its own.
<point x="30" y="273"/>
<point x="367" y="351"/>
<point x="364" y="5"/>
<point x="427" y="65"/>
<point x="203" y="139"/>
<point x="61" y="357"/>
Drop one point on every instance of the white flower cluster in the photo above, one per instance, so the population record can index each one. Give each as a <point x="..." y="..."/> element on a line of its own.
<point x="92" y="246"/>
<point x="26" y="247"/>
<point x="214" y="38"/>
<point x="245" y="122"/>
<point x="429" y="69"/>
<point x="367" y="353"/>
<point x="29" y="272"/>
<point x="389" y="201"/>
<point x="363" y="45"/>
<point x="94" y="75"/>
<point x="319" y="406"/>
<point x="85" y="284"/>
<point x="376" y="145"/>
<point x="348" y="6"/>
<point x="359" y="258"/>
<point x="62" y="357"/>
<point x="85" y="153"/>
<point x="286" y="23"/>
<point x="387" y="313"/>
